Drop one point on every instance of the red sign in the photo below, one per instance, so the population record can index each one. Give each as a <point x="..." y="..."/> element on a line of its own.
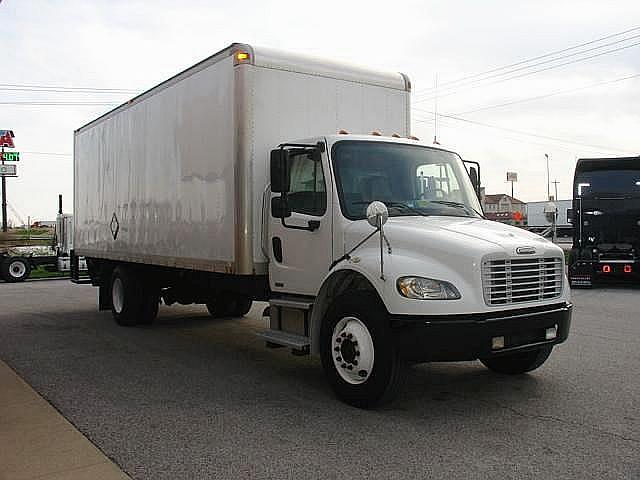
<point x="517" y="216"/>
<point x="6" y="137"/>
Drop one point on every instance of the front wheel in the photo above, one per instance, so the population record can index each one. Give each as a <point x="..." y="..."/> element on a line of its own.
<point x="517" y="363"/>
<point x="15" y="269"/>
<point x="359" y="356"/>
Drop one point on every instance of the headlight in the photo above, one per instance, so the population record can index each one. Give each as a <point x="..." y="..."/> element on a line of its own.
<point x="421" y="288"/>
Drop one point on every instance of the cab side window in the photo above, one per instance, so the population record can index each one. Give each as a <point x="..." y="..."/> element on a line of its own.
<point x="307" y="192"/>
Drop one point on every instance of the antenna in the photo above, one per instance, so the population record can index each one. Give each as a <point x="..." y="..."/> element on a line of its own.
<point x="435" y="113"/>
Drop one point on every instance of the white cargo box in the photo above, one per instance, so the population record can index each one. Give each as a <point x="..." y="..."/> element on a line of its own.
<point x="176" y="176"/>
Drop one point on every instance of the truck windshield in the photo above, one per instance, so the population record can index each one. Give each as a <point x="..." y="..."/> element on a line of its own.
<point x="600" y="183"/>
<point x="409" y="179"/>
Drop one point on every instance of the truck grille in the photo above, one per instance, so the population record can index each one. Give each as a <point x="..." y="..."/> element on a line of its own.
<point x="521" y="280"/>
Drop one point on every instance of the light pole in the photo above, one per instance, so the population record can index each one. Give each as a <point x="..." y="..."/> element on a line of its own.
<point x="555" y="184"/>
<point x="548" y="192"/>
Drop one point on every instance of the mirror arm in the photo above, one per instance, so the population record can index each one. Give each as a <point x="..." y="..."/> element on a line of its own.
<point x="347" y="255"/>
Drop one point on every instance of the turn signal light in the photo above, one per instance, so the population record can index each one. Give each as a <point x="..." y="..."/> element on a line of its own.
<point x="242" y="56"/>
<point x="606" y="269"/>
<point x="627" y="269"/>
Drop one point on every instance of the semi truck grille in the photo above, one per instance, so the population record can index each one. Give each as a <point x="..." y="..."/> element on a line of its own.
<point x="521" y="280"/>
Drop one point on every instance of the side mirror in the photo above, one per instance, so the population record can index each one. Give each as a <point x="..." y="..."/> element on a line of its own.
<point x="475" y="181"/>
<point x="280" y="179"/>
<point x="377" y="214"/>
<point x="280" y="208"/>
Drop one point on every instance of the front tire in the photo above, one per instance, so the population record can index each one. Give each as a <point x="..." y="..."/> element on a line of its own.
<point x="359" y="356"/>
<point x="15" y="269"/>
<point x="517" y="363"/>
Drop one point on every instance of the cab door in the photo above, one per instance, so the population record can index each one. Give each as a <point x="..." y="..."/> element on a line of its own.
<point x="300" y="226"/>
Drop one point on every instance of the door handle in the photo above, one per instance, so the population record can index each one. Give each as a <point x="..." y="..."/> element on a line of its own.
<point x="276" y="243"/>
<point x="311" y="225"/>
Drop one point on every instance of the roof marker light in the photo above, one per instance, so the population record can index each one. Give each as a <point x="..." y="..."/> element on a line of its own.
<point x="413" y="137"/>
<point x="606" y="269"/>
<point x="395" y="135"/>
<point x="627" y="269"/>
<point x="343" y="132"/>
<point x="376" y="133"/>
<point x="242" y="56"/>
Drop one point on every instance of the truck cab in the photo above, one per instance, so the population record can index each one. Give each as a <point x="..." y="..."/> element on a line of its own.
<point x="606" y="213"/>
<point x="379" y="254"/>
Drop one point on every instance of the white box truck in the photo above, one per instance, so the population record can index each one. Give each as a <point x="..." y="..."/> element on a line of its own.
<point x="230" y="183"/>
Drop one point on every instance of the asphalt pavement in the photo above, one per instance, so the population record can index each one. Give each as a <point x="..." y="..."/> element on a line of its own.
<point x="192" y="397"/>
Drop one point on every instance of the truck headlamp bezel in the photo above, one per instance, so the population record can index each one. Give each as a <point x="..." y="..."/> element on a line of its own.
<point x="422" y="288"/>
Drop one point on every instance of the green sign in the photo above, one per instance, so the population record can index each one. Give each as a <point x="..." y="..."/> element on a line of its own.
<point x="10" y="156"/>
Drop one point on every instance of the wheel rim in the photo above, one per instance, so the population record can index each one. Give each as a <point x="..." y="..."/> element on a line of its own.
<point x="17" y="269"/>
<point x="352" y="350"/>
<point x="117" y="295"/>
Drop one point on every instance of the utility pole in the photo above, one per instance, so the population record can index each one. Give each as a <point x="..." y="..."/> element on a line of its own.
<point x="548" y="179"/>
<point x="4" y="197"/>
<point x="555" y="184"/>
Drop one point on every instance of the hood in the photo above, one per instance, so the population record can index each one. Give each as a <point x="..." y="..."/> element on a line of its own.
<point x="457" y="236"/>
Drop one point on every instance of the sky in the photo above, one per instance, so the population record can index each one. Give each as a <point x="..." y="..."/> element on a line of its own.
<point x="587" y="108"/>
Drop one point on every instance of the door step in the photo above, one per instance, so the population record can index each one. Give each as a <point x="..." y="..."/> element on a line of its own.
<point x="294" y="303"/>
<point x="278" y="338"/>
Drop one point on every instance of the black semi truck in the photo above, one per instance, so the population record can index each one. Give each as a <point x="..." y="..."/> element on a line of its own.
<point x="606" y="219"/>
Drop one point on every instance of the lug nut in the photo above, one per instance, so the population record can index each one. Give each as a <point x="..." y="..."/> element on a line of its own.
<point x="338" y="359"/>
<point x="338" y="340"/>
<point x="343" y="334"/>
<point x="350" y="336"/>
<point x="355" y="362"/>
<point x="337" y="349"/>
<point x="344" y="365"/>
<point x="362" y="373"/>
<point x="350" y="367"/>
<point x="357" y="354"/>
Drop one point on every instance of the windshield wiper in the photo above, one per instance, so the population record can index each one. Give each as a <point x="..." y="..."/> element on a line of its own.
<point x="458" y="205"/>
<point x="397" y="205"/>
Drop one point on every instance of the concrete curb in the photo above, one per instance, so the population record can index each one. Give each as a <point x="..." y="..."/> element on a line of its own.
<point x="37" y="442"/>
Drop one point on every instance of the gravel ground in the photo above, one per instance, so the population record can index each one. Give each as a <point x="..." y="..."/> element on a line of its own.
<point x="192" y="397"/>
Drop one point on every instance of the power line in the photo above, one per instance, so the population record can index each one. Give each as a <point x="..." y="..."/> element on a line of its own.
<point x="65" y="88"/>
<point x="527" y="67"/>
<point x="57" y="90"/>
<point x="539" y="97"/>
<point x="538" y="57"/>
<point x="521" y="132"/>
<point x="525" y="74"/>
<point x="528" y="142"/>
<point x="32" y="103"/>
<point x="55" y="154"/>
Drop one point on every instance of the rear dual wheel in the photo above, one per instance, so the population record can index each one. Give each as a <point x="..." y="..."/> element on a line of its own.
<point x="133" y="300"/>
